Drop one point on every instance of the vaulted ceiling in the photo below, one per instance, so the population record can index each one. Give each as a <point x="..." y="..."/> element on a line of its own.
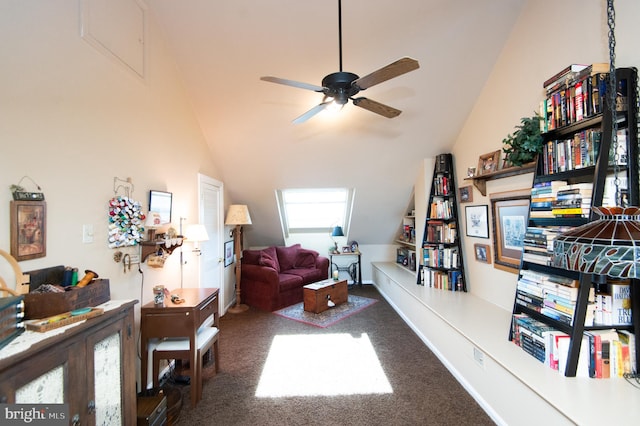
<point x="222" y="48"/>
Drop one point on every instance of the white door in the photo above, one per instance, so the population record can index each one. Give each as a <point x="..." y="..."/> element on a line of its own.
<point x="211" y="214"/>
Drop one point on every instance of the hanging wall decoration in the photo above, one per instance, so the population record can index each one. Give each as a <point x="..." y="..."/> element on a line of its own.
<point x="126" y="222"/>
<point x="126" y="219"/>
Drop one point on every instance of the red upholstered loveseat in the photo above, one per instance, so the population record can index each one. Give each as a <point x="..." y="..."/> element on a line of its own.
<point x="272" y="278"/>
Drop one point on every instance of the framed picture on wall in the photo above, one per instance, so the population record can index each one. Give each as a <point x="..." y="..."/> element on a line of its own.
<point x="482" y="253"/>
<point x="228" y="253"/>
<point x="28" y="223"/>
<point x="477" y="222"/>
<point x="466" y="194"/>
<point x="510" y="212"/>
<point x="160" y="202"/>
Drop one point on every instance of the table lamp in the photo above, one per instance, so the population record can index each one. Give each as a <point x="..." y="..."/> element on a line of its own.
<point x="336" y="232"/>
<point x="196" y="233"/>
<point x="238" y="215"/>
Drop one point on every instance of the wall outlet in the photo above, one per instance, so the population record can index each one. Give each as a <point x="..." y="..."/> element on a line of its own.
<point x="478" y="356"/>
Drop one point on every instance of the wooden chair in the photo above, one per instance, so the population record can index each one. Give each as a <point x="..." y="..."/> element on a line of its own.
<point x="178" y="348"/>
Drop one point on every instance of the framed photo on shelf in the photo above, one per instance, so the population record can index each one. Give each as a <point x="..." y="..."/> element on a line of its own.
<point x="28" y="229"/>
<point x="228" y="253"/>
<point x="510" y="212"/>
<point x="466" y="194"/>
<point x="488" y="163"/>
<point x="482" y="253"/>
<point x="477" y="223"/>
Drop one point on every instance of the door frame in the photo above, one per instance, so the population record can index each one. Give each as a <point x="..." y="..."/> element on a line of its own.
<point x="204" y="179"/>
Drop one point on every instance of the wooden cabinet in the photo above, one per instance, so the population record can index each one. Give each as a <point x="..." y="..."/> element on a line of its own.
<point x="91" y="367"/>
<point x="442" y="263"/>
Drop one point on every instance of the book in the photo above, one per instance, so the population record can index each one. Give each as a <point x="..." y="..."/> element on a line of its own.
<point x="573" y="68"/>
<point x="629" y="339"/>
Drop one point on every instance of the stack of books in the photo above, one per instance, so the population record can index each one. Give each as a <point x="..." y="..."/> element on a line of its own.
<point x="543" y="194"/>
<point x="573" y="200"/>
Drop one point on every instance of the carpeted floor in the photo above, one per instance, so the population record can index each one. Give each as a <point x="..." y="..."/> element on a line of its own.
<point x="396" y="379"/>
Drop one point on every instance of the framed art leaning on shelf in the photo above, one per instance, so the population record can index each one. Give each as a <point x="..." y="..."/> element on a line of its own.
<point x="488" y="163"/>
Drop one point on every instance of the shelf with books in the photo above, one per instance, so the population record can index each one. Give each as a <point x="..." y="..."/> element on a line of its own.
<point x="442" y="265"/>
<point x="405" y="239"/>
<point x="556" y="312"/>
<point x="407" y="234"/>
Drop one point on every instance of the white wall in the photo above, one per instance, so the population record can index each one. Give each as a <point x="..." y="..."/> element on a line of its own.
<point x="73" y="119"/>
<point x="548" y="36"/>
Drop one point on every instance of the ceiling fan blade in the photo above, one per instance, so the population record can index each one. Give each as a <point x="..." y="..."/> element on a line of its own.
<point x="293" y="83"/>
<point x="399" y="67"/>
<point x="377" y="107"/>
<point x="313" y="111"/>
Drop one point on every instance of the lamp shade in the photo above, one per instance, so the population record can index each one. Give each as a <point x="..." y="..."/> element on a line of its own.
<point x="153" y="220"/>
<point x="607" y="246"/>
<point x="238" y="214"/>
<point x="337" y="232"/>
<point x="196" y="232"/>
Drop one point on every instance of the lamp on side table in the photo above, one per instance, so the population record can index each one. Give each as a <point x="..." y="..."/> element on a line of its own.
<point x="238" y="215"/>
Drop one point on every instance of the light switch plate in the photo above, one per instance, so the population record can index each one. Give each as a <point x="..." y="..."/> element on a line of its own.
<point x="87" y="234"/>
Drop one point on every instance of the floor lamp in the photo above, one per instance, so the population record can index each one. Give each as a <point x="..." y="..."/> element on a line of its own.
<point x="238" y="215"/>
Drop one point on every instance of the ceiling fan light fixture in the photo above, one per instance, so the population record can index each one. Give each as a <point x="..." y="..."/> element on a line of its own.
<point x="342" y="86"/>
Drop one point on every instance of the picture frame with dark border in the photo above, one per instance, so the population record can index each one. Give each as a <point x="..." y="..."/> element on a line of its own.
<point x="510" y="213"/>
<point x="160" y="202"/>
<point x="477" y="221"/>
<point x="482" y="252"/>
<point x="488" y="163"/>
<point x="228" y="253"/>
<point x="28" y="229"/>
<point x="466" y="194"/>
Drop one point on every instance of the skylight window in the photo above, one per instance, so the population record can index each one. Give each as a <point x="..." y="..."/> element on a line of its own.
<point x="314" y="210"/>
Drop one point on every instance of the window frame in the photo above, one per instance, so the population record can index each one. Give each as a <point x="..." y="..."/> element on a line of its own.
<point x="284" y="220"/>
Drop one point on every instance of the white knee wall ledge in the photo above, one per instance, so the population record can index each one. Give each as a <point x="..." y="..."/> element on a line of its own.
<point x="511" y="386"/>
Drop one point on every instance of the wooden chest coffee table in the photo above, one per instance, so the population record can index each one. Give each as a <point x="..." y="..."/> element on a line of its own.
<point x="317" y="295"/>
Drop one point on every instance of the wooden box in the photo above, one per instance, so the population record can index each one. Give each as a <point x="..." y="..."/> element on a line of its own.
<point x="42" y="305"/>
<point x="317" y="295"/>
<point x="152" y="410"/>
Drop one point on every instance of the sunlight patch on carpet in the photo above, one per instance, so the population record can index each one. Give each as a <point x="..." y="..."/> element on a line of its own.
<point x="322" y="365"/>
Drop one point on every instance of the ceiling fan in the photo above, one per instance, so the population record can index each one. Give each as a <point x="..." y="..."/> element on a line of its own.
<point x="339" y="87"/>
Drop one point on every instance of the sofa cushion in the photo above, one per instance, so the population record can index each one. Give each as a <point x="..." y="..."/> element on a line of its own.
<point x="287" y="256"/>
<point x="269" y="258"/>
<point x="251" y="257"/>
<point x="308" y="275"/>
<point x="306" y="259"/>
<point x="288" y="281"/>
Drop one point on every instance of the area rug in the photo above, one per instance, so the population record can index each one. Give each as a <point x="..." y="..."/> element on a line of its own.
<point x="330" y="316"/>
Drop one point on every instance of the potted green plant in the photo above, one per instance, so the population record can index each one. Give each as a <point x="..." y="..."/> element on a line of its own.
<point x="525" y="143"/>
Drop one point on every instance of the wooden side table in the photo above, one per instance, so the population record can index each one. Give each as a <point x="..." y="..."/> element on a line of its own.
<point x="176" y="320"/>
